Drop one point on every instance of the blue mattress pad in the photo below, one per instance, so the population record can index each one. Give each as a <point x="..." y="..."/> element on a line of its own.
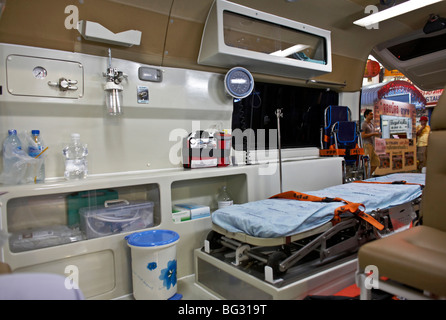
<point x="273" y="218"/>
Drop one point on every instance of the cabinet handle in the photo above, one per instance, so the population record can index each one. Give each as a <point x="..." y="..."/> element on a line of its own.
<point x="114" y="202"/>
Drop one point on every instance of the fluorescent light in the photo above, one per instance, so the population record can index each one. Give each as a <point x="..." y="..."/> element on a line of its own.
<point x="290" y="50"/>
<point x="394" y="11"/>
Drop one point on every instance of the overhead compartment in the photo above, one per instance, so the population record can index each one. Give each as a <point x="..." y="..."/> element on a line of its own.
<point x="235" y="35"/>
<point x="419" y="56"/>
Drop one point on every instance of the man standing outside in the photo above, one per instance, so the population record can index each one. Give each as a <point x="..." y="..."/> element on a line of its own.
<point x="368" y="134"/>
<point x="423" y="131"/>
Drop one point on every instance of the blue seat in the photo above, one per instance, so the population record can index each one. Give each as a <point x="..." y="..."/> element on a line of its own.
<point x="332" y="115"/>
<point x="340" y="137"/>
<point x="346" y="138"/>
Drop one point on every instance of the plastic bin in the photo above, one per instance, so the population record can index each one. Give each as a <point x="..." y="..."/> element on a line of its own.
<point x="154" y="264"/>
<point x="84" y="199"/>
<point x="43" y="237"/>
<point x="114" y="217"/>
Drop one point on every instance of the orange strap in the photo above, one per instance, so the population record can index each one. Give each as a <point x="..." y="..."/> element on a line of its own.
<point x="351" y="207"/>
<point x="391" y="182"/>
<point x="341" y="152"/>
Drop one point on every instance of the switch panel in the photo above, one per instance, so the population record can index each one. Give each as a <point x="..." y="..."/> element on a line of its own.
<point x="43" y="77"/>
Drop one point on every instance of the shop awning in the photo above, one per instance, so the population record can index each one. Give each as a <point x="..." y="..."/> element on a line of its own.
<point x="391" y="89"/>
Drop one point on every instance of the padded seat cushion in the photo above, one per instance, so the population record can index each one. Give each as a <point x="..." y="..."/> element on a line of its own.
<point x="415" y="257"/>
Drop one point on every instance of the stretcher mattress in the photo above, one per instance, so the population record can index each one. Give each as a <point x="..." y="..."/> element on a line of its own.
<point x="273" y="218"/>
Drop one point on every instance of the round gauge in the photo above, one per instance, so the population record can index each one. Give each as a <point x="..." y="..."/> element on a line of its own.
<point x="239" y="82"/>
<point x="39" y="72"/>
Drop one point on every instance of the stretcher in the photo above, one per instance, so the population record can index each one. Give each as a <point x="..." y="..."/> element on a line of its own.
<point x="282" y="231"/>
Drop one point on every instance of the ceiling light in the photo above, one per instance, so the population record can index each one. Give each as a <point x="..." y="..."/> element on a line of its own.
<point x="394" y="11"/>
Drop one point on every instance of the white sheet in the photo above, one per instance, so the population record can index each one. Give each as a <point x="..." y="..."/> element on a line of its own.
<point x="272" y="218"/>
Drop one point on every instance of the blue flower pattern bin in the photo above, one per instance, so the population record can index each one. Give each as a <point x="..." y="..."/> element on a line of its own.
<point x="154" y="264"/>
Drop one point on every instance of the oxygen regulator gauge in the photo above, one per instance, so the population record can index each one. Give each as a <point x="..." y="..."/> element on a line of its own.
<point x="39" y="72"/>
<point x="239" y="82"/>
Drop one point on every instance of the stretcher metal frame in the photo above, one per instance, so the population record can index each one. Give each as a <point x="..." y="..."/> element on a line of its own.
<point x="331" y="242"/>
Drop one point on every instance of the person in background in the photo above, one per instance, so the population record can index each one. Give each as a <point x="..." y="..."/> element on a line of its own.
<point x="423" y="131"/>
<point x="368" y="134"/>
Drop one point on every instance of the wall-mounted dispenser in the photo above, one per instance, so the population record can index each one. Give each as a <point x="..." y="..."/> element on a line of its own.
<point x="93" y="31"/>
<point x="113" y="88"/>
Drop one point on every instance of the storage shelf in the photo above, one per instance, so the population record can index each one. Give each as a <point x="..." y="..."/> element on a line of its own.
<point x="34" y="221"/>
<point x="105" y="263"/>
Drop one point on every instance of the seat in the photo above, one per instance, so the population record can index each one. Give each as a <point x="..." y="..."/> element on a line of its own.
<point x="414" y="260"/>
<point x="332" y="115"/>
<point x="340" y="137"/>
<point x="346" y="137"/>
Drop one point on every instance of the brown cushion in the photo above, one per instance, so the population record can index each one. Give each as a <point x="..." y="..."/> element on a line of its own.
<point x="432" y="205"/>
<point x="415" y="257"/>
<point x="438" y="121"/>
<point x="4" y="268"/>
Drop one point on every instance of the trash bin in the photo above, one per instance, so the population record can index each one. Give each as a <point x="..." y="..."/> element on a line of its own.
<point x="154" y="264"/>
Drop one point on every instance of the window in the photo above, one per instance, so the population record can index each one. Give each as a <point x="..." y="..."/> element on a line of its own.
<point x="418" y="47"/>
<point x="302" y="108"/>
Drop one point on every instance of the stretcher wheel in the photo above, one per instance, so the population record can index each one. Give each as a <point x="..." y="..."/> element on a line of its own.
<point x="274" y="259"/>
<point x="214" y="240"/>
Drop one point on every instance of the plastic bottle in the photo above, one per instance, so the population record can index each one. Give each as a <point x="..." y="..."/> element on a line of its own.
<point x="11" y="146"/>
<point x="224" y="199"/>
<point x="76" y="165"/>
<point x="35" y="149"/>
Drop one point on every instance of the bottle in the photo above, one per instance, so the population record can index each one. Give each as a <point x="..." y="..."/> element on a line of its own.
<point x="35" y="148"/>
<point x="76" y="165"/>
<point x="11" y="148"/>
<point x="224" y="199"/>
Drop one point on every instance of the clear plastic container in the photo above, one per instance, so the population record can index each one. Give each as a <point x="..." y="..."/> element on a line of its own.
<point x="13" y="170"/>
<point x="35" y="150"/>
<point x="76" y="164"/>
<point x="43" y="237"/>
<point x="114" y="217"/>
<point x="224" y="198"/>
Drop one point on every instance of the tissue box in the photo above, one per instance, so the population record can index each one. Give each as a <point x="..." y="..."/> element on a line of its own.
<point x="196" y="211"/>
<point x="180" y="215"/>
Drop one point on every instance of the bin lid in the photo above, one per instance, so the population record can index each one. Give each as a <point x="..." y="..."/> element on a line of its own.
<point x="152" y="238"/>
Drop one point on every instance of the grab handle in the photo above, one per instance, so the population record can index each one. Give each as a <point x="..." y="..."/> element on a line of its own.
<point x="115" y="202"/>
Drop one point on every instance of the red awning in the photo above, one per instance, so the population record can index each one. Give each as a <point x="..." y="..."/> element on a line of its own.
<point x="399" y="86"/>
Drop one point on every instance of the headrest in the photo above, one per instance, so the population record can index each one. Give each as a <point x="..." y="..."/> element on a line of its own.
<point x="346" y="131"/>
<point x="336" y="113"/>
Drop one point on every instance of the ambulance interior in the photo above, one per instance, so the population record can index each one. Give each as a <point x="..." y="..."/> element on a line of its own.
<point x="141" y="82"/>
